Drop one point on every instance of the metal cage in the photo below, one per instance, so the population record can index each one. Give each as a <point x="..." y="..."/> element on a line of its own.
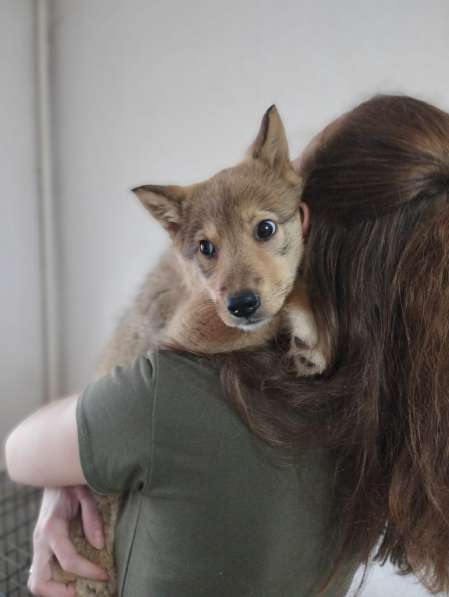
<point x="18" y="512"/>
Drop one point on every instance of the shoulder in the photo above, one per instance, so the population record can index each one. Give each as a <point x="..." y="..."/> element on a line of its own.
<point x="186" y="382"/>
<point x="159" y="372"/>
<point x="172" y="366"/>
<point x="188" y="393"/>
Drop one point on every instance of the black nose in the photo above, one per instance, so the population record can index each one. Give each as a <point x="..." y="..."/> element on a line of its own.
<point x="243" y="304"/>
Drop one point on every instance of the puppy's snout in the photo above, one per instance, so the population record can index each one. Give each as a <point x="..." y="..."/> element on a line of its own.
<point x="243" y="304"/>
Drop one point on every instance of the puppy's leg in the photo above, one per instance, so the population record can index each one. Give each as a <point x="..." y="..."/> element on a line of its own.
<point x="306" y="350"/>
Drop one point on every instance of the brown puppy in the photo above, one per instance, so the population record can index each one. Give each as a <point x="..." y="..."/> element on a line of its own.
<point x="237" y="243"/>
<point x="236" y="248"/>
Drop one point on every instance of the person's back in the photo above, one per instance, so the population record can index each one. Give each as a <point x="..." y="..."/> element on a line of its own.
<point x="210" y="510"/>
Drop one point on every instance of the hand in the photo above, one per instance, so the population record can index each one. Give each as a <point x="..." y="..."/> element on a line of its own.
<point x="51" y="538"/>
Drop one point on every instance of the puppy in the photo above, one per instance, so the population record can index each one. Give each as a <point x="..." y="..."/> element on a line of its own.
<point x="237" y="243"/>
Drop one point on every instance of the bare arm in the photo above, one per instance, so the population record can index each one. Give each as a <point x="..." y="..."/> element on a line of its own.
<point x="43" y="449"/>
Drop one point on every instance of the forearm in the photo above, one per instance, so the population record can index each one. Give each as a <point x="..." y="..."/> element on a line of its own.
<point x="43" y="449"/>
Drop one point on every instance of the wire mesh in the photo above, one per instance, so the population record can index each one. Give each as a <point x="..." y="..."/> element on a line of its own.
<point x="18" y="511"/>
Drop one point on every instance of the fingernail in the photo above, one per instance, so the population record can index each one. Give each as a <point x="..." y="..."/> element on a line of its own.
<point x="98" y="538"/>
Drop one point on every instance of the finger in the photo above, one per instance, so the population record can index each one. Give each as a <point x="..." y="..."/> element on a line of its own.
<point x="50" y="588"/>
<point x="91" y="518"/>
<point x="40" y="566"/>
<point x="40" y="580"/>
<point x="71" y="561"/>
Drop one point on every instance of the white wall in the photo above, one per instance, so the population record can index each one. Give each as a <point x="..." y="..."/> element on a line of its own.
<point x="21" y="348"/>
<point x="172" y="91"/>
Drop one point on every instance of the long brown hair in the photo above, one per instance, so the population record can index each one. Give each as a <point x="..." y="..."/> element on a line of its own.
<point x="377" y="267"/>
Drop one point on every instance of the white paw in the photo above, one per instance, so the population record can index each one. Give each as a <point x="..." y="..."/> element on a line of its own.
<point x="307" y="361"/>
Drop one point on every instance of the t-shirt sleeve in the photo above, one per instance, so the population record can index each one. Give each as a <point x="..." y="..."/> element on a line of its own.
<point x="114" y="419"/>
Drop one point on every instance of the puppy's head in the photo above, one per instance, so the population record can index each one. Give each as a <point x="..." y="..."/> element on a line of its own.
<point x="240" y="229"/>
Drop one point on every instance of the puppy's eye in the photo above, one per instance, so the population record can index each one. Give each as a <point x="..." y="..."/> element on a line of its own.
<point x="265" y="229"/>
<point x="207" y="248"/>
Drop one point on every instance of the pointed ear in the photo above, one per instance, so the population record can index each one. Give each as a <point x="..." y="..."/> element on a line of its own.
<point x="164" y="203"/>
<point x="271" y="144"/>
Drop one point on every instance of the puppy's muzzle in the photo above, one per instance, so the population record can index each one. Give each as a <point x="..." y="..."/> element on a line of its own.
<point x="243" y="304"/>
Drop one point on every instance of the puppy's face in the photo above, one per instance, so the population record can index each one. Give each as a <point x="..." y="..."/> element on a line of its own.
<point x="241" y="229"/>
<point x="242" y="232"/>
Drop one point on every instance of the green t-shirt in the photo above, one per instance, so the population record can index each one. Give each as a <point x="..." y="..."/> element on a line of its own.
<point x="208" y="511"/>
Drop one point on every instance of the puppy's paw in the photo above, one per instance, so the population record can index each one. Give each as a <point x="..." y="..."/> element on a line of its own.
<point x="306" y="360"/>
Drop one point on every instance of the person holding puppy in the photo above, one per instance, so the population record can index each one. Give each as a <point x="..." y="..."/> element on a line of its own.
<point x="292" y="481"/>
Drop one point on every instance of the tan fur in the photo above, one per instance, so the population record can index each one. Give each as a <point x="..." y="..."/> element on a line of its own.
<point x="309" y="352"/>
<point x="183" y="300"/>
